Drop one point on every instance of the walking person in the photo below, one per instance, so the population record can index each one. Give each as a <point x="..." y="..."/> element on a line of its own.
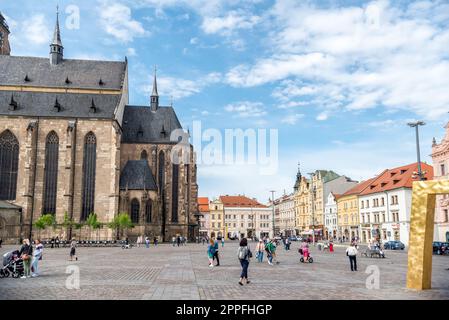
<point x="244" y="254"/>
<point x="37" y="255"/>
<point x="211" y="252"/>
<point x="1" y="241"/>
<point x="270" y="248"/>
<point x="222" y="242"/>
<point x="178" y="240"/>
<point x="147" y="242"/>
<point x="216" y="253"/>
<point x="73" y="250"/>
<point x="57" y="242"/>
<point x="52" y="242"/>
<point x="351" y="252"/>
<point x="25" y="253"/>
<point x="173" y="240"/>
<point x="155" y="241"/>
<point x="260" y="248"/>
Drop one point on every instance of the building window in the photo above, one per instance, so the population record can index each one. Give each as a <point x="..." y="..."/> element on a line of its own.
<point x="367" y="203"/>
<point x="443" y="170"/>
<point x="89" y="166"/>
<point x="175" y="183"/>
<point x="382" y="201"/>
<point x="446" y="216"/>
<point x="135" y="208"/>
<point x="148" y="212"/>
<point x="144" y="155"/>
<point x="9" y="162"/>
<point x="51" y="173"/>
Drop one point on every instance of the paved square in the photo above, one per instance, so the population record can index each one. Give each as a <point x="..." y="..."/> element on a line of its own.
<point x="180" y="273"/>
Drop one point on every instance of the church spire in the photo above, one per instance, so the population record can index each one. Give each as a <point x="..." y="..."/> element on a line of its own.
<point x="298" y="178"/>
<point x="56" y="48"/>
<point x="154" y="94"/>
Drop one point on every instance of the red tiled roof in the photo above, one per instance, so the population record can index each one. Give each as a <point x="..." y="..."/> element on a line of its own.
<point x="357" y="189"/>
<point x="240" y="201"/>
<point x="400" y="177"/>
<point x="203" y="204"/>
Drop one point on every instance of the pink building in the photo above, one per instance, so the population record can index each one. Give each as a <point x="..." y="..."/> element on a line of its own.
<point x="440" y="158"/>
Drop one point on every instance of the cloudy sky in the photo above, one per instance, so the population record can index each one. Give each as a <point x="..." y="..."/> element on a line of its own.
<point x="339" y="80"/>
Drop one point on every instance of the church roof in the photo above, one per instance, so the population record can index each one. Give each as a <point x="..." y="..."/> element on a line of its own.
<point x="136" y="175"/>
<point x="3" y="22"/>
<point x="80" y="73"/>
<point x="71" y="104"/>
<point x="142" y="125"/>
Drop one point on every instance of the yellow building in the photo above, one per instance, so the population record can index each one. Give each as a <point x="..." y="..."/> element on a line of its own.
<point x="217" y="225"/>
<point x="348" y="212"/>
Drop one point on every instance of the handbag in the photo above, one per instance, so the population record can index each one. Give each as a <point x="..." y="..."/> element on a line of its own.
<point x="25" y="257"/>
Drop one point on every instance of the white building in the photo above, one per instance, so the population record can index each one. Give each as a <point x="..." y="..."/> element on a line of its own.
<point x="245" y="217"/>
<point x="385" y="204"/>
<point x="285" y="215"/>
<point x="331" y="216"/>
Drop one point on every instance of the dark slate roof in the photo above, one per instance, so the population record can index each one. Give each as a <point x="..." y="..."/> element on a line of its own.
<point x="141" y="125"/>
<point x="81" y="73"/>
<point x="72" y="104"/>
<point x="136" y="175"/>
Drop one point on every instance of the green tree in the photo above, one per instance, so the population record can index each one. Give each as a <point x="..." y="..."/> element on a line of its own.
<point x="92" y="223"/>
<point x="78" y="226"/>
<point x="121" y="223"/>
<point x="67" y="223"/>
<point x="44" y="221"/>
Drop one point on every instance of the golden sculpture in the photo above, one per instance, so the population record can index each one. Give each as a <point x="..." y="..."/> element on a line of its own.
<point x="419" y="274"/>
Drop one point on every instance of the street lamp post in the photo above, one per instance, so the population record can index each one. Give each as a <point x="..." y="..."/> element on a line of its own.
<point x="272" y="201"/>
<point x="416" y="126"/>
<point x="313" y="213"/>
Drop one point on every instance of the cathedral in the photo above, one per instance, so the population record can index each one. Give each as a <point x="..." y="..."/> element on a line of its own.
<point x="72" y="145"/>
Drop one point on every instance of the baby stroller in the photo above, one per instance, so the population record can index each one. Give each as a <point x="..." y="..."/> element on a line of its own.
<point x="303" y="259"/>
<point x="12" y="265"/>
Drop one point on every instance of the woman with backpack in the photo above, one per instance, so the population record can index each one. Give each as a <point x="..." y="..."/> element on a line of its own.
<point x="244" y="254"/>
<point x="211" y="252"/>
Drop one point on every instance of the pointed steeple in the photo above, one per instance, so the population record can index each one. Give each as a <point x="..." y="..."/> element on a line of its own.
<point x="298" y="178"/>
<point x="56" y="48"/>
<point x="154" y="94"/>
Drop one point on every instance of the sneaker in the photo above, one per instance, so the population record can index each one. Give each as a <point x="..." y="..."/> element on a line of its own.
<point x="270" y="263"/>
<point x="34" y="275"/>
<point x="247" y="281"/>
<point x="23" y="277"/>
<point x="240" y="283"/>
<point x="211" y="266"/>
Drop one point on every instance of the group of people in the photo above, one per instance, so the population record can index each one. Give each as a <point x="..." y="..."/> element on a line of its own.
<point x="143" y="240"/>
<point x="179" y="241"/>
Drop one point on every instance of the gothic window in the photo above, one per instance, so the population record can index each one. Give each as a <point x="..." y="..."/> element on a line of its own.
<point x="51" y="173"/>
<point x="148" y="212"/>
<point x="144" y="155"/>
<point x="9" y="162"/>
<point x="135" y="208"/>
<point x="89" y="164"/>
<point x="161" y="172"/>
<point x="175" y="186"/>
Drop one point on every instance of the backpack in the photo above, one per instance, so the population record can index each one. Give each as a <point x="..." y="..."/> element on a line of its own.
<point x="242" y="253"/>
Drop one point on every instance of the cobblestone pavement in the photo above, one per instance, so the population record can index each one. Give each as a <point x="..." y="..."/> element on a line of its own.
<point x="180" y="273"/>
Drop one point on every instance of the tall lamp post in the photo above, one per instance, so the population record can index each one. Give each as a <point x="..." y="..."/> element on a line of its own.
<point x="313" y="213"/>
<point x="272" y="201"/>
<point x="416" y="126"/>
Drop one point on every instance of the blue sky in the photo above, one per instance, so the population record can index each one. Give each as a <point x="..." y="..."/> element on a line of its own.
<point x="338" y="79"/>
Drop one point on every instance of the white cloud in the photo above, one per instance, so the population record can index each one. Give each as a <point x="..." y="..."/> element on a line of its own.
<point x="179" y="88"/>
<point x="375" y="55"/>
<point x="228" y="23"/>
<point x="292" y="119"/>
<point x="116" y="20"/>
<point x="246" y="109"/>
<point x="131" y="52"/>
<point x="322" y="116"/>
<point x="194" y="40"/>
<point x="36" y="31"/>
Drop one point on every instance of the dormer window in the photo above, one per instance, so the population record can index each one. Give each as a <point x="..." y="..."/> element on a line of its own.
<point x="396" y="181"/>
<point x="140" y="131"/>
<point x="57" y="105"/>
<point x="392" y="174"/>
<point x="26" y="79"/>
<point x="163" y="132"/>
<point x="383" y="184"/>
<point x="93" y="107"/>
<point x="13" y="105"/>
<point x="403" y="171"/>
<point x="67" y="81"/>
<point x="101" y="83"/>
